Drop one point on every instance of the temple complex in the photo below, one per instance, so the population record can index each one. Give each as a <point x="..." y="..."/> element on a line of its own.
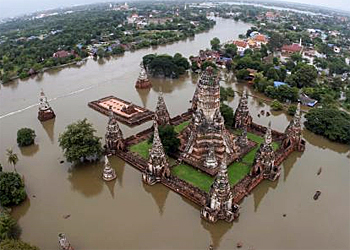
<point x="220" y="204"/>
<point x="161" y="113"/>
<point x="142" y="81"/>
<point x="157" y="166"/>
<point x="45" y="111"/>
<point x="206" y="131"/>
<point x="114" y="137"/>
<point x="293" y="133"/>
<point x="264" y="162"/>
<point x="108" y="171"/>
<point x="242" y="118"/>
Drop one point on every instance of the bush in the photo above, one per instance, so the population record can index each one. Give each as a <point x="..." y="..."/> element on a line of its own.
<point x="276" y="105"/>
<point x="16" y="245"/>
<point x="227" y="113"/>
<point x="9" y="228"/>
<point x="292" y="109"/>
<point x="11" y="189"/>
<point x="25" y="137"/>
<point x="331" y="123"/>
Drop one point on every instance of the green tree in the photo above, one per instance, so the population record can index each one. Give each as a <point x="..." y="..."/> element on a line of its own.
<point x="292" y="109"/>
<point x="169" y="139"/>
<point x="215" y="43"/>
<point x="11" y="188"/>
<point x="230" y="50"/>
<point x="276" y="105"/>
<point x="12" y="158"/>
<point x="9" y="228"/>
<point x="79" y="142"/>
<point x="329" y="122"/>
<point x="207" y="64"/>
<point x="16" y="245"/>
<point x="275" y="41"/>
<point x="227" y="113"/>
<point x="25" y="137"/>
<point x="242" y="74"/>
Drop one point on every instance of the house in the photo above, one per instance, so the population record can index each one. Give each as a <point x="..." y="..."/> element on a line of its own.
<point x="61" y="54"/>
<point x="293" y="48"/>
<point x="241" y="46"/>
<point x="276" y="84"/>
<point x="307" y="101"/>
<point x="260" y="39"/>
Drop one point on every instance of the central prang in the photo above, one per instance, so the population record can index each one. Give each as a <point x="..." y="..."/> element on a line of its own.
<point x="206" y="140"/>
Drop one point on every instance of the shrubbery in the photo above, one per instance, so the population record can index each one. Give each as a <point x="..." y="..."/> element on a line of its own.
<point x="25" y="137"/>
<point x="169" y="139"/>
<point x="11" y="189"/>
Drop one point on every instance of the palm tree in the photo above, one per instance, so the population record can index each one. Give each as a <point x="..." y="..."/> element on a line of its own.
<point x="12" y="158"/>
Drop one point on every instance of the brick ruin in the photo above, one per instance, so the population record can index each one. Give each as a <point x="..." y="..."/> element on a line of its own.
<point x="208" y="145"/>
<point x="142" y="81"/>
<point x="206" y="140"/>
<point x="45" y="111"/>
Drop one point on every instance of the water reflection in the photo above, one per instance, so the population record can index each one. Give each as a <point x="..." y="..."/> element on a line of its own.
<point x="82" y="174"/>
<point x="49" y="127"/>
<point x="159" y="194"/>
<point x="261" y="190"/>
<point x="143" y="93"/>
<point x="169" y="85"/>
<point x="217" y="230"/>
<point x="29" y="150"/>
<point x="111" y="186"/>
<point x="119" y="167"/>
<point x="289" y="163"/>
<point x="19" y="211"/>
<point x="324" y="143"/>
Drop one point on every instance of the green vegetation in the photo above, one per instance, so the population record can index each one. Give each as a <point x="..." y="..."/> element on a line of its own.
<point x="12" y="158"/>
<point x="215" y="43"/>
<point x="237" y="171"/>
<point x="79" y="142"/>
<point x="166" y="65"/>
<point x="181" y="126"/>
<point x="276" y="105"/>
<point x="193" y="176"/>
<point x="331" y="123"/>
<point x="12" y="189"/>
<point x="16" y="245"/>
<point x="25" y="137"/>
<point x="292" y="109"/>
<point x="142" y="148"/>
<point x="227" y="112"/>
<point x="9" y="228"/>
<point x="169" y="139"/>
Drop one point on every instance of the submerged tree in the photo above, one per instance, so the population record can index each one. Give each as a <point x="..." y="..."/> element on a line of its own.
<point x="11" y="189"/>
<point x="12" y="158"/>
<point x="16" y="245"/>
<point x="79" y="142"/>
<point x="25" y="137"/>
<point x="9" y="228"/>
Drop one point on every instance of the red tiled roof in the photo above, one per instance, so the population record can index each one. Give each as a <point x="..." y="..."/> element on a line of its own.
<point x="239" y="43"/>
<point x="260" y="38"/>
<point x="61" y="53"/>
<point x="292" y="48"/>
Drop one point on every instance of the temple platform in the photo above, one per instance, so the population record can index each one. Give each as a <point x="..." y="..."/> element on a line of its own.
<point x="126" y="112"/>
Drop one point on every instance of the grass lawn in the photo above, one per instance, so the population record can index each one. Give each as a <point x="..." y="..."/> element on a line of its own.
<point x="142" y="148"/>
<point x="193" y="176"/>
<point x="181" y="126"/>
<point x="236" y="172"/>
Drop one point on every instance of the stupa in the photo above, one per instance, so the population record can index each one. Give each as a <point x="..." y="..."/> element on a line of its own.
<point x="142" y="81"/>
<point x="108" y="171"/>
<point x="45" y="111"/>
<point x="242" y="118"/>
<point x="161" y="114"/>
<point x="158" y="165"/>
<point x="114" y="137"/>
<point x="220" y="204"/>
<point x="293" y="135"/>
<point x="206" y="129"/>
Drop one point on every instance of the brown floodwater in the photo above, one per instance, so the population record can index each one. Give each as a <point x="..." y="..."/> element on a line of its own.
<point x="126" y="214"/>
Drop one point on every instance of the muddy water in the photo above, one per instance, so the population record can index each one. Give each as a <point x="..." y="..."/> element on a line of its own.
<point x="126" y="214"/>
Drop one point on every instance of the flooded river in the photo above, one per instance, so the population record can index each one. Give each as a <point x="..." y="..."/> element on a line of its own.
<point x="126" y="214"/>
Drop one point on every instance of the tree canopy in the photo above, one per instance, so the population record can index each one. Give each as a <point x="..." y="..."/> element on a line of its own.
<point x="215" y="43"/>
<point x="331" y="123"/>
<point x="11" y="189"/>
<point x="79" y="142"/>
<point x="9" y="228"/>
<point x="169" y="139"/>
<point x="25" y="137"/>
<point x="16" y="245"/>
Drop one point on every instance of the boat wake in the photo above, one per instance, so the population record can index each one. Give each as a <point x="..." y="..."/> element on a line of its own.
<point x="52" y="99"/>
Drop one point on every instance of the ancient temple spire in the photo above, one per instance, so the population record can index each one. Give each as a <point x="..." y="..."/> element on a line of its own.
<point x="210" y="160"/>
<point x="114" y="137"/>
<point x="45" y="111"/>
<point x="158" y="166"/>
<point x="242" y="118"/>
<point x="142" y="81"/>
<point x="108" y="171"/>
<point x="220" y="204"/>
<point x="268" y="135"/>
<point x="161" y="114"/>
<point x="293" y="137"/>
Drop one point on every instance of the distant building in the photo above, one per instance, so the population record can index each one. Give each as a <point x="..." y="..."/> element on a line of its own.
<point x="241" y="45"/>
<point x="306" y="100"/>
<point x="61" y="54"/>
<point x="293" y="48"/>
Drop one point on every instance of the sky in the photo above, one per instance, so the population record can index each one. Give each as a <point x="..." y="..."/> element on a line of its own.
<point x="11" y="8"/>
